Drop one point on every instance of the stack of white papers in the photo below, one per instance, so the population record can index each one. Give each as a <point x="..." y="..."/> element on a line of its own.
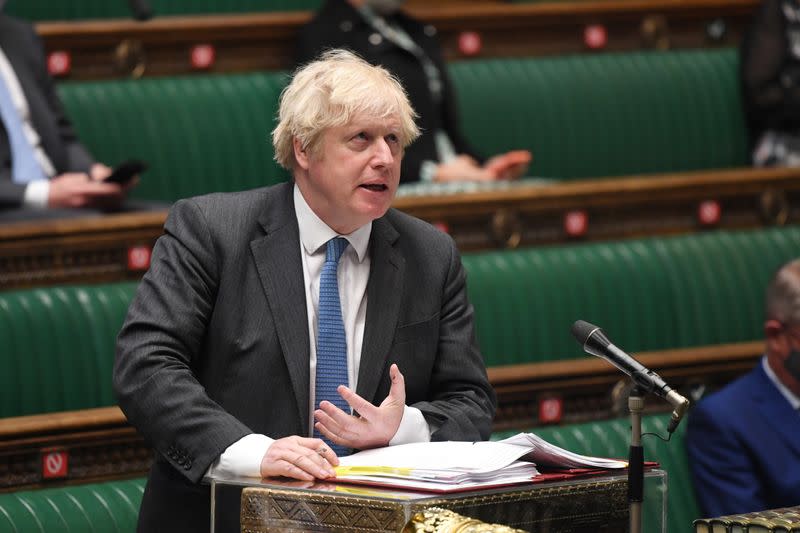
<point x="451" y="466"/>
<point x="545" y="454"/>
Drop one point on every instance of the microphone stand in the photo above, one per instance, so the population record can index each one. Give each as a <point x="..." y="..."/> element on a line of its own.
<point x="636" y="461"/>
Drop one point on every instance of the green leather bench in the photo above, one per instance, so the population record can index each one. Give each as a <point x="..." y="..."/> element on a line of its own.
<point x="582" y="116"/>
<point x="612" y="114"/>
<point x="100" y="9"/>
<point x="648" y="294"/>
<point x="110" y="507"/>
<point x="58" y="347"/>
<point x="611" y="438"/>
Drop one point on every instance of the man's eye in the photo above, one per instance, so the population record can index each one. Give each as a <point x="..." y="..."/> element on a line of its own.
<point x="362" y="136"/>
<point x="392" y="138"/>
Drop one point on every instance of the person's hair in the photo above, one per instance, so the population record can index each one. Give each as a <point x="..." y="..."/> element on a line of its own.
<point x="783" y="294"/>
<point x="330" y="92"/>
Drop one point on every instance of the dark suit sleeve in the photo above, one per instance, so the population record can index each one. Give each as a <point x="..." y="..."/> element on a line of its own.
<point x="11" y="194"/>
<point x="159" y="347"/>
<point x="78" y="157"/>
<point x="725" y="479"/>
<point x="463" y="403"/>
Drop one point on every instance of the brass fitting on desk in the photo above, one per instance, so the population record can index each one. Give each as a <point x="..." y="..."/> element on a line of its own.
<point x="438" y="520"/>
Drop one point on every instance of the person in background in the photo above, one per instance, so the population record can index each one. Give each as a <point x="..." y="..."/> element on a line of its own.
<point x="280" y="328"/>
<point x="381" y="33"/>
<point x="45" y="172"/>
<point x="743" y="444"/>
<point x="770" y="71"/>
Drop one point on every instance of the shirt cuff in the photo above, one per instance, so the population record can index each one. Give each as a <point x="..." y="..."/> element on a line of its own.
<point x="36" y="194"/>
<point x="413" y="428"/>
<point x="428" y="170"/>
<point x="242" y="458"/>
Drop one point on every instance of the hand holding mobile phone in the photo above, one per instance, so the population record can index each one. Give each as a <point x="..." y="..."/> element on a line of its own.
<point x="125" y="172"/>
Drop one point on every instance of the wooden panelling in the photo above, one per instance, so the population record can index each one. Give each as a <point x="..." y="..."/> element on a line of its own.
<point x="258" y="41"/>
<point x="108" y="248"/>
<point x="99" y="444"/>
<point x="613" y="208"/>
<point x="95" y="249"/>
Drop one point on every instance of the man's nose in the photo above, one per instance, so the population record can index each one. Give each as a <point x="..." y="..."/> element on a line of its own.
<point x="382" y="154"/>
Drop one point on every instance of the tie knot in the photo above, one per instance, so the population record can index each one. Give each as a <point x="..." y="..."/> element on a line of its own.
<point x="335" y="248"/>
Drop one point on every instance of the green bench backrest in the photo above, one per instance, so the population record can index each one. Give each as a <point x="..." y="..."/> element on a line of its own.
<point x="611" y="438"/>
<point x="199" y="134"/>
<point x="582" y="116"/>
<point x="647" y="294"/>
<point x="58" y="347"/>
<point x="110" y="507"/>
<point x="608" y="114"/>
<point x="99" y="9"/>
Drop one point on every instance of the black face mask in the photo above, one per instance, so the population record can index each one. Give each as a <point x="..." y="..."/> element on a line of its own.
<point x="792" y="364"/>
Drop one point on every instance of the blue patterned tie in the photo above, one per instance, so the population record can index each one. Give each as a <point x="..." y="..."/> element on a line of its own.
<point x="331" y="340"/>
<point x="24" y="168"/>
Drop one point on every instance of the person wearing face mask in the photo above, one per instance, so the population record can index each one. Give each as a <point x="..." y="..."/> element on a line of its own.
<point x="380" y="32"/>
<point x="744" y="441"/>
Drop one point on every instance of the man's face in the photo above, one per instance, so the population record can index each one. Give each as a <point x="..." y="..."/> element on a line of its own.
<point x="353" y="176"/>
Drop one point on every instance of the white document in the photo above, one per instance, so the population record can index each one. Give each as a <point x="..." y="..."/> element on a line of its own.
<point x="455" y="465"/>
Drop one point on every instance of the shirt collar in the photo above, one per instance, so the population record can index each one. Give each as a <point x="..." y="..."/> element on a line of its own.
<point x="314" y="233"/>
<point x="793" y="400"/>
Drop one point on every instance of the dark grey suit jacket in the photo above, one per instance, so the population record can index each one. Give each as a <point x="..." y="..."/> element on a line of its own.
<point x="216" y="346"/>
<point x="25" y="52"/>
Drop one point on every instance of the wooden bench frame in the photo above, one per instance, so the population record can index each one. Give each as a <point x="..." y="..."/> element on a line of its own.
<point x="115" y="247"/>
<point x="101" y="444"/>
<point x="259" y="41"/>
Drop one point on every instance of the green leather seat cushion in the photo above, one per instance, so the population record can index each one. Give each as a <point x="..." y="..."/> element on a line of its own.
<point x="110" y="507"/>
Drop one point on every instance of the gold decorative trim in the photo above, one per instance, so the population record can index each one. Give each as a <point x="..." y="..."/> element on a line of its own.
<point x="438" y="520"/>
<point x="129" y="58"/>
<point x="655" y="32"/>
<point x="774" y="206"/>
<point x="506" y="228"/>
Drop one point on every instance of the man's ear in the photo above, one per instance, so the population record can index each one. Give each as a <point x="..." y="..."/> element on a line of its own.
<point x="772" y="328"/>
<point x="774" y="339"/>
<point x="300" y="154"/>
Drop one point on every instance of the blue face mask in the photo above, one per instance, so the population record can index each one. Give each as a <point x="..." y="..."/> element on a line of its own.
<point x="792" y="364"/>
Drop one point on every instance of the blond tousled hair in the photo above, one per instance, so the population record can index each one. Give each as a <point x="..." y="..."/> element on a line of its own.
<point x="330" y="92"/>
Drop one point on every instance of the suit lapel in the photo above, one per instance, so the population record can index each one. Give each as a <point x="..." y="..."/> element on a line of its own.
<point x="777" y="411"/>
<point x="384" y="293"/>
<point x="280" y="268"/>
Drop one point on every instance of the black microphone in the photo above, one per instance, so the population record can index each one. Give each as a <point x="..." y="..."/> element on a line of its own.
<point x="141" y="9"/>
<point x="595" y="342"/>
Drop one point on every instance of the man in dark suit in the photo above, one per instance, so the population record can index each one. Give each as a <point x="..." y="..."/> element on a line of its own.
<point x="44" y="170"/>
<point x="383" y="35"/>
<point x="222" y="356"/>
<point x="743" y="443"/>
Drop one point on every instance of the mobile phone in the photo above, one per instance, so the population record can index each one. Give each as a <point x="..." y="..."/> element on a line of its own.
<point x="125" y="172"/>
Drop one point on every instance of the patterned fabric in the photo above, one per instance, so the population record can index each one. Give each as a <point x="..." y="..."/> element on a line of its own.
<point x="331" y="340"/>
<point x="25" y="168"/>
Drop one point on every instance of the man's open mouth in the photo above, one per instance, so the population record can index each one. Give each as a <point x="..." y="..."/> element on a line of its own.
<point x="376" y="187"/>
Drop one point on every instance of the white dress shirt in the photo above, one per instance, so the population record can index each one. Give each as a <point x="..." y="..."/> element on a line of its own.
<point x="36" y="192"/>
<point x="243" y="457"/>
<point x="791" y="397"/>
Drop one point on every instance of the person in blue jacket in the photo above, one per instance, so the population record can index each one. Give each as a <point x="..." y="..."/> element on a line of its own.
<point x="744" y="441"/>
